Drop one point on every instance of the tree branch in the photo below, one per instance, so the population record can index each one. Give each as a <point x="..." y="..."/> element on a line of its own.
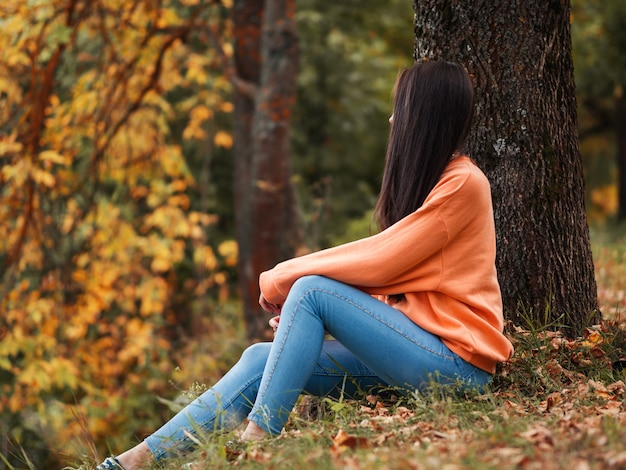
<point x="244" y="87"/>
<point x="40" y="97"/>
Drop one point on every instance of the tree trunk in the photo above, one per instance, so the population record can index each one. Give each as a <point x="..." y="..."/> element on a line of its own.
<point x="620" y="135"/>
<point x="247" y="19"/>
<point x="266" y="54"/>
<point x="525" y="138"/>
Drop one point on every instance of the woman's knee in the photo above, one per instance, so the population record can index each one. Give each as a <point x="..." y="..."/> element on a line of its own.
<point x="308" y="282"/>
<point x="306" y="290"/>
<point x="255" y="356"/>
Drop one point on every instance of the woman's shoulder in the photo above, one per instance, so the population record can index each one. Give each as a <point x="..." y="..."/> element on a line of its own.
<point x="464" y="165"/>
<point x="462" y="175"/>
<point x="465" y="197"/>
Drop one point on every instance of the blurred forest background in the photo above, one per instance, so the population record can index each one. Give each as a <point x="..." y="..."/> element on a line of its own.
<point x="118" y="260"/>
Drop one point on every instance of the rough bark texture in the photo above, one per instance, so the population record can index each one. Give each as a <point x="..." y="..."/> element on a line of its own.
<point x="247" y="18"/>
<point x="525" y="138"/>
<point x="620" y="134"/>
<point x="266" y="54"/>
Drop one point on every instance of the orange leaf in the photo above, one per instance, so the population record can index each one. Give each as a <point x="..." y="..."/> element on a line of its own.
<point x="343" y="439"/>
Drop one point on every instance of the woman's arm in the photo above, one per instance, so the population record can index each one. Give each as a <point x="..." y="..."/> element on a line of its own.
<point x="380" y="264"/>
<point x="375" y="261"/>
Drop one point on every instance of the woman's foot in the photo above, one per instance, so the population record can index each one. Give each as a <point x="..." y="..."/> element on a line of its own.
<point x="140" y="456"/>
<point x="253" y="433"/>
<point x="133" y="459"/>
<point x="110" y="463"/>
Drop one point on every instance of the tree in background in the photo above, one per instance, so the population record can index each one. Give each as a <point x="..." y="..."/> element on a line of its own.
<point x="526" y="140"/>
<point x="266" y="61"/>
<point x="349" y="58"/>
<point x="601" y="86"/>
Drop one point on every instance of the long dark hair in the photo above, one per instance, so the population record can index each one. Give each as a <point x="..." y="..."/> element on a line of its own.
<point x="432" y="113"/>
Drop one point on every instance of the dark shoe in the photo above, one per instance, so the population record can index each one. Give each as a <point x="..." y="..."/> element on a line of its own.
<point x="110" y="463"/>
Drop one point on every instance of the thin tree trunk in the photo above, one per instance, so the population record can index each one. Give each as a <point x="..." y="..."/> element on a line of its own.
<point x="620" y="135"/>
<point x="267" y="232"/>
<point x="525" y="138"/>
<point x="247" y="19"/>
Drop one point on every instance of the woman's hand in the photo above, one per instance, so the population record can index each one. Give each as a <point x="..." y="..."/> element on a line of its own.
<point x="269" y="307"/>
<point x="274" y="323"/>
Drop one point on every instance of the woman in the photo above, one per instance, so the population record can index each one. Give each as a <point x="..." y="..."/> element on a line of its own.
<point x="416" y="303"/>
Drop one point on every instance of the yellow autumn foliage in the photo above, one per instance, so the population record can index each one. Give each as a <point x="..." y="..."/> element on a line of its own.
<point x="223" y="139"/>
<point x="606" y="199"/>
<point x="102" y="245"/>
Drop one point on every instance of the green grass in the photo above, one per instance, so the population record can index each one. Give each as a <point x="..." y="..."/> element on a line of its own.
<point x="501" y="429"/>
<point x="609" y="253"/>
<point x="558" y="404"/>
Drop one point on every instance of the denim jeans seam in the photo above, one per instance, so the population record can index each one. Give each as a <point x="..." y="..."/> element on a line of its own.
<point x="371" y="314"/>
<point x="261" y="394"/>
<point x="341" y="374"/>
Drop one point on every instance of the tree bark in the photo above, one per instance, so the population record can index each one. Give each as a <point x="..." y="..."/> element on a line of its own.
<point x="525" y="138"/>
<point x="266" y="54"/>
<point x="247" y="18"/>
<point x="620" y="135"/>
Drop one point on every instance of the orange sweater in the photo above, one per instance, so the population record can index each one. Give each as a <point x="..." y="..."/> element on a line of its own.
<point x="441" y="257"/>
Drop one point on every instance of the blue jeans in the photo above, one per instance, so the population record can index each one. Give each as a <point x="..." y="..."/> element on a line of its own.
<point x="375" y="345"/>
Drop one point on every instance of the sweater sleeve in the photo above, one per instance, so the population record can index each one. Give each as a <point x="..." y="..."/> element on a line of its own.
<point x="376" y="264"/>
<point x="382" y="263"/>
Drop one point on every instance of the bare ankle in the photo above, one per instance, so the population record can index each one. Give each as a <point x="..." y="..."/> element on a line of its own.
<point x="136" y="458"/>
<point x="253" y="433"/>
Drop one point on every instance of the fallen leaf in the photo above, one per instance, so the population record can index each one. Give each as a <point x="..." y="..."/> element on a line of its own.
<point x="616" y="387"/>
<point x="539" y="435"/>
<point x="343" y="439"/>
<point x="617" y="461"/>
<point x="553" y="400"/>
